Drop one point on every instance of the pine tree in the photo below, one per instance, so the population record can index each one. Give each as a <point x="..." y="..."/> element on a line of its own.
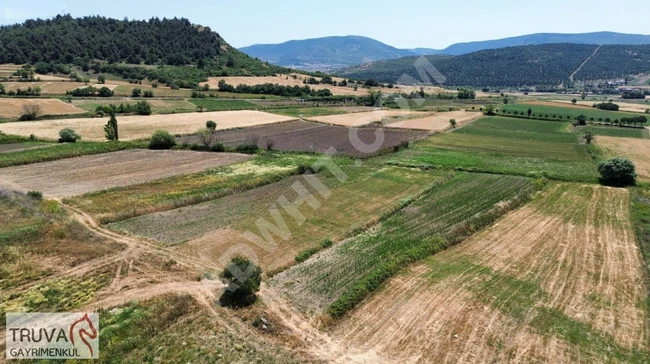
<point x="110" y="129"/>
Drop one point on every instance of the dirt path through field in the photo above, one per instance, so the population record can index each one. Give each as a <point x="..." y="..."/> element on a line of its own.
<point x="560" y="280"/>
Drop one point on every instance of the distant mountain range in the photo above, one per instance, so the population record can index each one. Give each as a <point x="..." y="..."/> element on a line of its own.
<point x="329" y="53"/>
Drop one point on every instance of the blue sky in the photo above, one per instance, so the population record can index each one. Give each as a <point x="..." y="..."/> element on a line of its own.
<point x="431" y="24"/>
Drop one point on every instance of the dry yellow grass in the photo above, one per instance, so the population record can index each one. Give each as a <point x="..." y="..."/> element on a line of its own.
<point x="437" y="122"/>
<point x="13" y="108"/>
<point x="637" y="150"/>
<point x="141" y="127"/>
<point x="364" y="118"/>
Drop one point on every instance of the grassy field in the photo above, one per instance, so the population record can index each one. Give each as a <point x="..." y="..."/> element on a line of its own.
<point x="307" y="111"/>
<point x="506" y="146"/>
<point x="62" y="151"/>
<point x="170" y="193"/>
<point x="555" y="112"/>
<point x="359" y="201"/>
<point x="559" y="280"/>
<point x="223" y="105"/>
<point x="613" y="131"/>
<point x="343" y="276"/>
<point x="37" y="240"/>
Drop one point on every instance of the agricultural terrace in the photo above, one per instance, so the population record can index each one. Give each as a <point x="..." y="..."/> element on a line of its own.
<point x="309" y="137"/>
<point x="12" y="147"/>
<point x="141" y="127"/>
<point x="80" y="175"/>
<point x="213" y="227"/>
<point x="637" y="150"/>
<point x="13" y="108"/>
<point x="157" y="106"/>
<point x="547" y="110"/>
<point x="54" y="87"/>
<point x="182" y="190"/>
<point x="437" y="122"/>
<point x="365" y="118"/>
<point x="507" y="146"/>
<point x="559" y="280"/>
<point x="452" y="208"/>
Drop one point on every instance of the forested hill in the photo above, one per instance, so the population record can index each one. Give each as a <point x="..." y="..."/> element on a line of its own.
<point x="64" y="39"/>
<point x="548" y="64"/>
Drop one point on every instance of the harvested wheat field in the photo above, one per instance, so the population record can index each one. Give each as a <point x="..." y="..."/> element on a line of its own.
<point x="637" y="150"/>
<point x="437" y="122"/>
<point x="76" y="176"/>
<point x="141" y="127"/>
<point x="365" y="118"/>
<point x="13" y="108"/>
<point x="560" y="280"/>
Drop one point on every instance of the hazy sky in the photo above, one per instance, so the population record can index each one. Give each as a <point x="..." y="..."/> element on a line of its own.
<point x="403" y="24"/>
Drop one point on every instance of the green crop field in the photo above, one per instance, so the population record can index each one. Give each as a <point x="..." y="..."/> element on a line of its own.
<point x="447" y="212"/>
<point x="565" y="113"/>
<point x="355" y="203"/>
<point x="613" y="131"/>
<point x="307" y="111"/>
<point x="507" y="146"/>
<point x="223" y="105"/>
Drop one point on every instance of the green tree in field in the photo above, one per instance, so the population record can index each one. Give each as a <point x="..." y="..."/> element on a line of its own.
<point x="110" y="129"/>
<point x="148" y="94"/>
<point x="162" y="140"/>
<point x="589" y="137"/>
<point x="582" y="120"/>
<point x="101" y="80"/>
<point x="453" y="123"/>
<point x="211" y="125"/>
<point x="2" y="89"/>
<point x="618" y="172"/>
<point x="505" y="101"/>
<point x="574" y="101"/>
<point x="243" y="278"/>
<point x="136" y="92"/>
<point x="584" y="94"/>
<point x="530" y="111"/>
<point x="68" y="135"/>
<point x="489" y="110"/>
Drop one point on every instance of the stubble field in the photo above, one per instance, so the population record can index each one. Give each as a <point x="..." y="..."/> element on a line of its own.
<point x="13" y="108"/>
<point x="141" y="127"/>
<point x="560" y="280"/>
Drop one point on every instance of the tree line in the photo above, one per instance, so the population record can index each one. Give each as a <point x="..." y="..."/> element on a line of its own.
<point x="274" y="89"/>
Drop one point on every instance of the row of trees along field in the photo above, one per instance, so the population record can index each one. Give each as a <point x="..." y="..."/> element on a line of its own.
<point x="274" y="89"/>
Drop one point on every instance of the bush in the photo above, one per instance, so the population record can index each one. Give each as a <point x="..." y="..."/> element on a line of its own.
<point x="243" y="278"/>
<point x="618" y="172"/>
<point x="31" y="112"/>
<point x="607" y="106"/>
<point x="162" y="140"/>
<point x="68" y="135"/>
<point x="247" y="148"/>
<point x="305" y="254"/>
<point x="217" y="147"/>
<point x="36" y="195"/>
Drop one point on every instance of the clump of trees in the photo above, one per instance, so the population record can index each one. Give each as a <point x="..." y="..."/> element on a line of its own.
<point x="618" y="172"/>
<point x="162" y="140"/>
<point x="636" y="121"/>
<point x="91" y="92"/>
<point x="243" y="278"/>
<point x="140" y="108"/>
<point x="610" y="106"/>
<point x="68" y="135"/>
<point x="464" y="94"/>
<point x="633" y="95"/>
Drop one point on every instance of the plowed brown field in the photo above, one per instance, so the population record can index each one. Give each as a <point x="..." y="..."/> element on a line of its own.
<point x="560" y="280"/>
<point x="437" y="122"/>
<point x="80" y="175"/>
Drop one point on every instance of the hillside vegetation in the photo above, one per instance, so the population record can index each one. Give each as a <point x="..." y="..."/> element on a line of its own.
<point x="548" y="64"/>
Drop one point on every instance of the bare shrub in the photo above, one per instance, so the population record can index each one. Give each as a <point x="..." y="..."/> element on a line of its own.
<point x="270" y="143"/>
<point x="31" y="111"/>
<point x="206" y="136"/>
